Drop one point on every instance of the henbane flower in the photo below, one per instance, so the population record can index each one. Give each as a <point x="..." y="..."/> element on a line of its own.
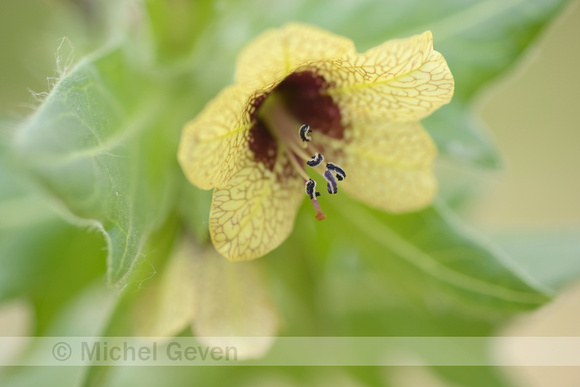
<point x="305" y="102"/>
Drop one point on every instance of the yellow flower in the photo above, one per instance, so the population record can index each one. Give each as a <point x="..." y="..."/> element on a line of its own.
<point x="362" y="111"/>
<point x="224" y="304"/>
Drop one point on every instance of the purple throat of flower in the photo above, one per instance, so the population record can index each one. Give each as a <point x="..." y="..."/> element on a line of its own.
<point x="298" y="117"/>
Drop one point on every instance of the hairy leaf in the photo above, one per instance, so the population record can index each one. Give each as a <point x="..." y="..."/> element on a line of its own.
<point x="100" y="144"/>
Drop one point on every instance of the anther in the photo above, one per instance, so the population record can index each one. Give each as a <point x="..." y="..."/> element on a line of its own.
<point x="331" y="184"/>
<point x="340" y="174"/>
<point x="311" y="189"/>
<point x="316" y="160"/>
<point x="304" y="130"/>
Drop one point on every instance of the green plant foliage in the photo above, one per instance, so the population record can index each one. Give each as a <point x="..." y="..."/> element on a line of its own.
<point x="444" y="256"/>
<point x="99" y="145"/>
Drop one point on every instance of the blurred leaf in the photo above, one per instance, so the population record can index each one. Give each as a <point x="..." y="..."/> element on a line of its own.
<point x="248" y="376"/>
<point x="194" y="205"/>
<point x="20" y="205"/>
<point x="41" y="256"/>
<point x="551" y="256"/>
<point x="456" y="259"/>
<point x="355" y="300"/>
<point x="49" y="262"/>
<point x="473" y="376"/>
<point x="294" y="279"/>
<point x="103" y="143"/>
<point x="460" y="135"/>
<point x="140" y="281"/>
<point x="84" y="314"/>
<point x="427" y="256"/>
<point x="232" y="302"/>
<point x="176" y="25"/>
<point x="166" y="308"/>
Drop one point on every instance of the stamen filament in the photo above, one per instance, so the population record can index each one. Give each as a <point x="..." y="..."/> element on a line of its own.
<point x="299" y="168"/>
<point x="296" y="149"/>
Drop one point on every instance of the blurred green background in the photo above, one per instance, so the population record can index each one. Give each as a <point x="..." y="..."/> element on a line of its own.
<point x="528" y="206"/>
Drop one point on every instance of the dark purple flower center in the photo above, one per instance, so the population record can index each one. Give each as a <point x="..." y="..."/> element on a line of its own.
<point x="304" y="97"/>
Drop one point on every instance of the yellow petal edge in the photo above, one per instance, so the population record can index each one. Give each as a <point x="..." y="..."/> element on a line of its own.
<point x="214" y="143"/>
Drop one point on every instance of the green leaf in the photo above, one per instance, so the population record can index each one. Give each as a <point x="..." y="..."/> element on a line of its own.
<point x="39" y="250"/>
<point x="176" y="26"/>
<point x="460" y="135"/>
<point x="193" y="206"/>
<point x="549" y="255"/>
<point x="347" y="295"/>
<point x="36" y="257"/>
<point x="84" y="314"/>
<point x="427" y="256"/>
<point x="103" y="144"/>
<point x="474" y="376"/>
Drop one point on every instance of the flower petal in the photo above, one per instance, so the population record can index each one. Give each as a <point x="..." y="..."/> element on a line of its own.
<point x="213" y="143"/>
<point x="389" y="165"/>
<point x="400" y="80"/>
<point x="276" y="53"/>
<point x="233" y="304"/>
<point x="166" y="308"/>
<point x="254" y="213"/>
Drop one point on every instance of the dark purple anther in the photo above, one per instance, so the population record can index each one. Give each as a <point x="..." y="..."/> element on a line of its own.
<point x="331" y="183"/>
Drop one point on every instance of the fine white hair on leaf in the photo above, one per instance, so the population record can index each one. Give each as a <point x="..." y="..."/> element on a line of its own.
<point x="144" y="272"/>
<point x="64" y="57"/>
<point x="64" y="61"/>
